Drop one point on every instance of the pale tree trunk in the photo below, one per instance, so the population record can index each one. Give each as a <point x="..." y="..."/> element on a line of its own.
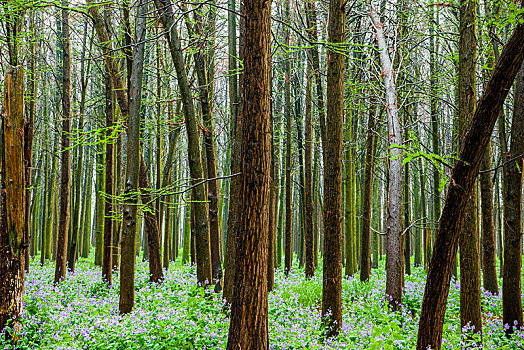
<point x="394" y="255"/>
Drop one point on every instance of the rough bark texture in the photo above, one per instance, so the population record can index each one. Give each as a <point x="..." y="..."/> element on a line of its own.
<point x="65" y="180"/>
<point x="308" y="190"/>
<point x="462" y="180"/>
<point x="332" y="275"/>
<point x="367" y="191"/>
<point x="203" y="251"/>
<point x="470" y="308"/>
<point x="288" y="233"/>
<point x="394" y="254"/>
<point x="489" y="262"/>
<point x="12" y="219"/>
<point x="511" y="285"/>
<point x="249" y="311"/>
<point x="127" y="269"/>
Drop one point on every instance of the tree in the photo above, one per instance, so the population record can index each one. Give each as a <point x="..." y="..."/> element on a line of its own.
<point x="13" y="195"/>
<point x="470" y="308"/>
<point x="65" y="181"/>
<point x="288" y="235"/>
<point x="249" y="309"/>
<point x="394" y="254"/>
<point x="127" y="270"/>
<point x="332" y="275"/>
<point x="463" y="176"/>
<point x="511" y="282"/>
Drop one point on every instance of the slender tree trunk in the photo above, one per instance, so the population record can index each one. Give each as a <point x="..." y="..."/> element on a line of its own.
<point x="308" y="190"/>
<point x="461" y="184"/>
<point x="394" y="255"/>
<point x="203" y="251"/>
<point x="249" y="310"/>
<point x="332" y="274"/>
<point x="99" y="202"/>
<point x="514" y="163"/>
<point x="367" y="200"/>
<point x="289" y="133"/>
<point x="127" y="269"/>
<point x="65" y="182"/>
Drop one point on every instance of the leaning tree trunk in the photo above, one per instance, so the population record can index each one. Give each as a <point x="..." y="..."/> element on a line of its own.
<point x="127" y="268"/>
<point x="394" y="255"/>
<point x="12" y="215"/>
<point x="332" y="275"/>
<point x="203" y="251"/>
<point x="249" y="310"/>
<point x="65" y="182"/>
<point x="511" y="282"/>
<point x="463" y="177"/>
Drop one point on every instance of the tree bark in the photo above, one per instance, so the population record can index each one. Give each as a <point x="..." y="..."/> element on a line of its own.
<point x="65" y="182"/>
<point x="288" y="234"/>
<point x="394" y="255"/>
<point x="332" y="274"/>
<point x="249" y="310"/>
<point x="511" y="282"/>
<point x="12" y="220"/>
<point x="462" y="180"/>
<point x="308" y="190"/>
<point x="127" y="269"/>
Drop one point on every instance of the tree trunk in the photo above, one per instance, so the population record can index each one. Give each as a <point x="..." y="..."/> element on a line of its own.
<point x="332" y="274"/>
<point x="470" y="303"/>
<point x="12" y="220"/>
<point x="203" y="251"/>
<point x="65" y="182"/>
<point x="288" y="234"/>
<point x="249" y="310"/>
<point x="511" y="282"/>
<point x="394" y="255"/>
<point x="367" y="200"/>
<point x="308" y="190"/>
<point x="127" y="269"/>
<point x="461" y="184"/>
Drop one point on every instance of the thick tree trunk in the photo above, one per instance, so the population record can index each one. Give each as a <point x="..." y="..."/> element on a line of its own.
<point x="12" y="217"/>
<point x="127" y="269"/>
<point x="332" y="274"/>
<point x="65" y="181"/>
<point x="99" y="203"/>
<point x="249" y="310"/>
<point x="470" y="303"/>
<point x="461" y="184"/>
<point x="394" y="254"/>
<point x="514" y="163"/>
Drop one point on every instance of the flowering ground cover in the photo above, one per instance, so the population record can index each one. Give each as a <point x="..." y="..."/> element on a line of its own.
<point x="82" y="313"/>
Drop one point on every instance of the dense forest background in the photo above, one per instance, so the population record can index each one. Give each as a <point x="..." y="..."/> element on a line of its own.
<point x="266" y="142"/>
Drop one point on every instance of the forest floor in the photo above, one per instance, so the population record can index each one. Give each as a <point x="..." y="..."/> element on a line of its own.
<point x="82" y="313"/>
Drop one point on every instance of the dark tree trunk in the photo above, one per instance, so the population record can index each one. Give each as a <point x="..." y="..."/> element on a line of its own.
<point x="470" y="306"/>
<point x="308" y="190"/>
<point x="127" y="269"/>
<point x="65" y="181"/>
<point x="332" y="275"/>
<point x="288" y="233"/>
<point x="249" y="310"/>
<point x="463" y="176"/>
<point x="511" y="282"/>
<point x="489" y="263"/>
